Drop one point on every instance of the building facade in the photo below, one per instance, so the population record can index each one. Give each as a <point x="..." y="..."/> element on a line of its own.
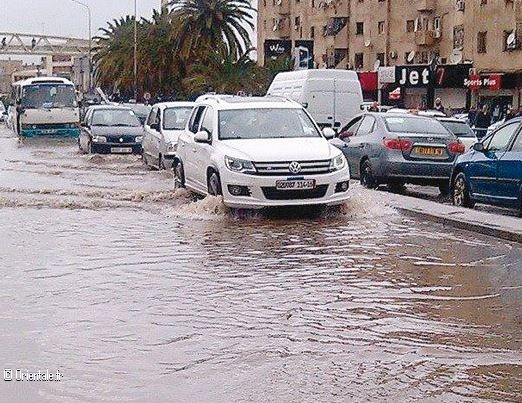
<point x="7" y="68"/>
<point x="474" y="42"/>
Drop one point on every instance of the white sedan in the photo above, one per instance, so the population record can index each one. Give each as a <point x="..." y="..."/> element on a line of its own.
<point x="162" y="128"/>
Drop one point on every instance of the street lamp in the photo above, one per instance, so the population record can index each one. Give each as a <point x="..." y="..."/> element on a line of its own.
<point x="90" y="39"/>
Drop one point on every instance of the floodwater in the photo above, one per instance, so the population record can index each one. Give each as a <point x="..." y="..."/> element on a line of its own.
<point x="137" y="293"/>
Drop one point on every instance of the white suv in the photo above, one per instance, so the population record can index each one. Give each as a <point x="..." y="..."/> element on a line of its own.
<point x="259" y="152"/>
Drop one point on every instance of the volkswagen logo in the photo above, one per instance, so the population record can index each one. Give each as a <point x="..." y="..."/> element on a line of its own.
<point x="121" y="140"/>
<point x="294" y="167"/>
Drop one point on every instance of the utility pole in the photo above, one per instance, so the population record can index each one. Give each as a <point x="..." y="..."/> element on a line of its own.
<point x="135" y="52"/>
<point x="90" y="39"/>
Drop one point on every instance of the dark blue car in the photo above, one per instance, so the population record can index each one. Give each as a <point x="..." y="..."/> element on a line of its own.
<point x="491" y="172"/>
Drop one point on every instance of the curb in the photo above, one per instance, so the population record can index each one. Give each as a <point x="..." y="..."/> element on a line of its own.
<point x="485" y="229"/>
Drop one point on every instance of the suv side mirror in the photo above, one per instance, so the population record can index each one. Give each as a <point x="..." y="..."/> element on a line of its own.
<point x="328" y="133"/>
<point x="202" y="137"/>
<point x="478" y="147"/>
<point x="155" y="126"/>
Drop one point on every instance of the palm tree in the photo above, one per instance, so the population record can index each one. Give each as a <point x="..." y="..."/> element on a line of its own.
<point x="216" y="24"/>
<point x="113" y="56"/>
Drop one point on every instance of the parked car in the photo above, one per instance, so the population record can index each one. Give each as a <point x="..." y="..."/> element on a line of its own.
<point x="259" y="152"/>
<point x="111" y="129"/>
<point x="166" y="121"/>
<point x="141" y="110"/>
<point x="460" y="129"/>
<point x="330" y="96"/>
<point x="395" y="149"/>
<point x="3" y="112"/>
<point x="492" y="172"/>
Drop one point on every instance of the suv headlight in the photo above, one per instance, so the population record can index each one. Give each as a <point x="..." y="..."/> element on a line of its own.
<point x="138" y="139"/>
<point x="238" y="165"/>
<point x="337" y="163"/>
<point x="99" y="139"/>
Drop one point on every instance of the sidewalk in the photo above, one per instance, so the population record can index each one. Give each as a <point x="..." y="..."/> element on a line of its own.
<point x="505" y="227"/>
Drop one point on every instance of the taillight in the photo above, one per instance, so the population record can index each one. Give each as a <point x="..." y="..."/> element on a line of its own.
<point x="456" y="148"/>
<point x="396" y="144"/>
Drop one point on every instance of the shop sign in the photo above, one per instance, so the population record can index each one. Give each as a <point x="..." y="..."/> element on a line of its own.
<point x="475" y="82"/>
<point x="386" y="75"/>
<point x="275" y="48"/>
<point x="412" y="76"/>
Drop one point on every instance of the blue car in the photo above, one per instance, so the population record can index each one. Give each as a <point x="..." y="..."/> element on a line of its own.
<point x="491" y="172"/>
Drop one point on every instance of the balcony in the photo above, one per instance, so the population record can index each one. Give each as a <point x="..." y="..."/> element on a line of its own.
<point x="283" y="7"/>
<point x="426" y="38"/>
<point x="426" y="5"/>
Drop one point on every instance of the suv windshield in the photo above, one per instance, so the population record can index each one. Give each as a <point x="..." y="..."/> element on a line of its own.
<point x="411" y="124"/>
<point x="115" y="117"/>
<point x="459" y="129"/>
<point x="176" y="118"/>
<point x="48" y="96"/>
<point x="264" y="123"/>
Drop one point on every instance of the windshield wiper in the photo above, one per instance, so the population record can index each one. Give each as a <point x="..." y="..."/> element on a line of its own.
<point x="124" y="125"/>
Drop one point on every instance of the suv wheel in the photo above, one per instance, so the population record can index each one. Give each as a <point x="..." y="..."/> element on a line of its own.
<point x="179" y="176"/>
<point x="367" y="179"/>
<point x="460" y="194"/>
<point x="214" y="184"/>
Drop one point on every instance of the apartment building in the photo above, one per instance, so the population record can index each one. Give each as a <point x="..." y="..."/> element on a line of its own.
<point x="477" y="44"/>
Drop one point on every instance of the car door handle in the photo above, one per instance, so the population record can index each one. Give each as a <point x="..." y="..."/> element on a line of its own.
<point x="194" y="150"/>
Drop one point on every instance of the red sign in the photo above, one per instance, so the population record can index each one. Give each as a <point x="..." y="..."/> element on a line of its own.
<point x="475" y="82"/>
<point x="395" y="94"/>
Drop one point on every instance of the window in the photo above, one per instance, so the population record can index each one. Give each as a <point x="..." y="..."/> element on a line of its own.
<point x="312" y="32"/>
<point x="517" y="145"/>
<point x="313" y="3"/>
<point x="359" y="60"/>
<point x="482" y="42"/>
<point x="499" y="140"/>
<point x="380" y="27"/>
<point x="380" y="58"/>
<point x="505" y="46"/>
<point x="208" y="121"/>
<point x="359" y="28"/>
<point x="264" y="24"/>
<point x="366" y="126"/>
<point x="483" y="2"/>
<point x="410" y="25"/>
<point x="436" y="24"/>
<point x="152" y="116"/>
<point x="352" y="126"/>
<point x="195" y="119"/>
<point x="406" y="60"/>
<point x="297" y="21"/>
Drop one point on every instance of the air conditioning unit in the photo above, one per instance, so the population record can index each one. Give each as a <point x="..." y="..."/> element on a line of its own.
<point x="437" y="33"/>
<point x="296" y="27"/>
<point x="279" y="2"/>
<point x="460" y="5"/>
<point x="511" y="41"/>
<point x="393" y="54"/>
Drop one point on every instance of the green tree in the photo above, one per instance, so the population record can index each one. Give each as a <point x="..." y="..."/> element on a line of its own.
<point x="211" y="24"/>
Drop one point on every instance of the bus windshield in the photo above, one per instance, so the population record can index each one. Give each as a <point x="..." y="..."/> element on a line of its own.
<point x="39" y="96"/>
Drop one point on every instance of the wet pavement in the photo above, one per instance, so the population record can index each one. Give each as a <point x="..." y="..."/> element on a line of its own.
<point x="135" y="292"/>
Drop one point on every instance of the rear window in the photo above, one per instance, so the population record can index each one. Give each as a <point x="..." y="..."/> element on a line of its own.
<point x="459" y="129"/>
<point x="410" y="124"/>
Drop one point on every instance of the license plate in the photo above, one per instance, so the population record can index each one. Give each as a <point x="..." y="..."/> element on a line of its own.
<point x="48" y="131"/>
<point x="295" y="185"/>
<point x="429" y="151"/>
<point x="121" y="150"/>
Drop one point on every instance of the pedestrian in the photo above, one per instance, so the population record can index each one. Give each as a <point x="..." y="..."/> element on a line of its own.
<point x="483" y="121"/>
<point x="438" y="106"/>
<point x="472" y="115"/>
<point x="510" y="113"/>
<point x="374" y="107"/>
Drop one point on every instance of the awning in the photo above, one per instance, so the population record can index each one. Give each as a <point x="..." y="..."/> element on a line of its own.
<point x="368" y="80"/>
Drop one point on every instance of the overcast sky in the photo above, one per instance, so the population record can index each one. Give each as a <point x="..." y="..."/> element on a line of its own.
<point x="64" y="17"/>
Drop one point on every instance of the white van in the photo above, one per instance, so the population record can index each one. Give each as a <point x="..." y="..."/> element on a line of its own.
<point x="332" y="97"/>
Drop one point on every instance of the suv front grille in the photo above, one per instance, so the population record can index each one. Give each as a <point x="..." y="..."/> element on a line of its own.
<point x="126" y="138"/>
<point x="282" y="168"/>
<point x="271" y="193"/>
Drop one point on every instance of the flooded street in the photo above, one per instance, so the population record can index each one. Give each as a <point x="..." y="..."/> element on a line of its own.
<point x="135" y="292"/>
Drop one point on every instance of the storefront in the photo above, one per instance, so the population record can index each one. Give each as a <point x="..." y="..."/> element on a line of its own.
<point x="497" y="90"/>
<point x="414" y="81"/>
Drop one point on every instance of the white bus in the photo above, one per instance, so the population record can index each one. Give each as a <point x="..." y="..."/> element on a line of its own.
<point x="45" y="106"/>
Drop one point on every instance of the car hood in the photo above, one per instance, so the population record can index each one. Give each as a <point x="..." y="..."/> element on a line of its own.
<point x="288" y="149"/>
<point x="116" y="130"/>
